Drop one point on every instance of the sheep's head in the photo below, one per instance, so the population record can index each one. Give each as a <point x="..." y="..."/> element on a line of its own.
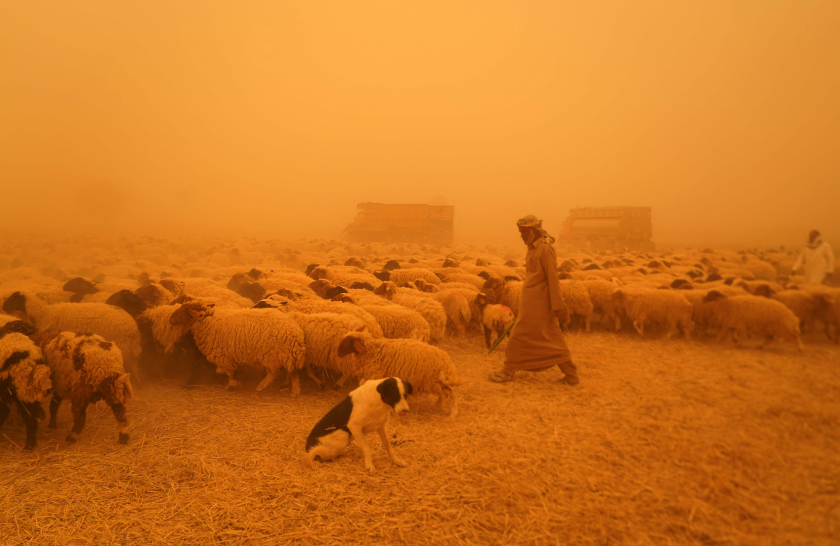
<point x="493" y="283"/>
<point x="617" y="294"/>
<point x="354" y="262"/>
<point x="563" y="276"/>
<point x="344" y="298"/>
<point x="15" y="302"/>
<point x="318" y="273"/>
<point x="383" y="275"/>
<point x="41" y="381"/>
<point x="286" y="293"/>
<point x="257" y="274"/>
<point x="238" y="280"/>
<point x="320" y="286"/>
<point x="386" y="290"/>
<point x="254" y="291"/>
<point x="481" y="262"/>
<point x="191" y="312"/>
<point x="80" y="285"/>
<point x="390" y="265"/>
<point x="152" y="294"/>
<point x="128" y="301"/>
<point x="424" y="286"/>
<point x="682" y="284"/>
<point x="764" y="290"/>
<point x="352" y="343"/>
<point x="174" y="287"/>
<point x="484" y="275"/>
<point x="481" y="300"/>
<point x="714" y="295"/>
<point x="361" y="286"/>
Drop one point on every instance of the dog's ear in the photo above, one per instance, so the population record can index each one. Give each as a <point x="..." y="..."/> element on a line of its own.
<point x="408" y="388"/>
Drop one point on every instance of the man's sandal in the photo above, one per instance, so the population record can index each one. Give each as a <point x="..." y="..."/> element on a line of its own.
<point x="500" y="377"/>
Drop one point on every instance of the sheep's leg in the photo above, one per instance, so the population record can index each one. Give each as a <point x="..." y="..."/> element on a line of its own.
<point x="487" y="336"/>
<point x="54" y="404"/>
<point x="586" y="321"/>
<point x="29" y="412"/>
<point x="341" y="381"/>
<point x="359" y="437"/>
<point x="4" y="413"/>
<point x="122" y="422"/>
<point x="232" y="383"/>
<point x="617" y="323"/>
<point x="295" y="377"/>
<point x="799" y="343"/>
<point x="767" y="340"/>
<point x="671" y="329"/>
<point x="269" y="377"/>
<point x="80" y="405"/>
<point x="640" y="327"/>
<point x="311" y="375"/>
<point x="383" y="434"/>
<point x="453" y="408"/>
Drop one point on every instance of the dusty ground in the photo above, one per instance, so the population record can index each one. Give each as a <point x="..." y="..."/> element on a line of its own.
<point x="664" y="442"/>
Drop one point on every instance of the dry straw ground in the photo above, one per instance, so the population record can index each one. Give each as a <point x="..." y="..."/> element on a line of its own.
<point x="664" y="442"/>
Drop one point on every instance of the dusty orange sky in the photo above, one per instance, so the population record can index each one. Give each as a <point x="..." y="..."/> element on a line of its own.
<point x="276" y="118"/>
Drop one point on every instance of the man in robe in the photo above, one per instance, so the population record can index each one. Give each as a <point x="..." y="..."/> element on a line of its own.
<point x="536" y="342"/>
<point x="817" y="259"/>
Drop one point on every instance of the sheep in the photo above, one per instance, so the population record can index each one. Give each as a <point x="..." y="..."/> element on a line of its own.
<point x="24" y="381"/>
<point x="427" y="368"/>
<point x="495" y="318"/>
<point x="87" y="368"/>
<point x="459" y="302"/>
<point x="665" y="306"/>
<point x="506" y="293"/>
<point x="461" y="276"/>
<point x="317" y="305"/>
<point x="154" y="294"/>
<point x="428" y="308"/>
<point x="827" y="309"/>
<point x="600" y="294"/>
<point x="260" y="338"/>
<point x="576" y="298"/>
<point x="128" y="301"/>
<point x="108" y="321"/>
<point x="399" y="276"/>
<point x="342" y="275"/>
<point x="396" y="321"/>
<point x="744" y="315"/>
<point x="322" y="334"/>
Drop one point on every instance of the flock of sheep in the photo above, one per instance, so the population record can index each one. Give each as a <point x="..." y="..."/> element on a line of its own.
<point x="79" y="320"/>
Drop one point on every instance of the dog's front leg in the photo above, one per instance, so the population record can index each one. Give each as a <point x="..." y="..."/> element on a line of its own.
<point x="383" y="433"/>
<point x="359" y="437"/>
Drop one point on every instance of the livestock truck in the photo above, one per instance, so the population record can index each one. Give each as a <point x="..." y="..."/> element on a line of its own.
<point x="608" y="228"/>
<point x="385" y="223"/>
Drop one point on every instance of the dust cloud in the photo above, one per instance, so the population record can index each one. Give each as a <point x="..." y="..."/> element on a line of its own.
<point x="275" y="119"/>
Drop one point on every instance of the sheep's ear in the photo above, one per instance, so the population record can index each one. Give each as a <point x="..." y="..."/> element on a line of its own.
<point x="182" y="317"/>
<point x="617" y="294"/>
<point x="360" y="329"/>
<point x="380" y="290"/>
<point x="350" y="344"/>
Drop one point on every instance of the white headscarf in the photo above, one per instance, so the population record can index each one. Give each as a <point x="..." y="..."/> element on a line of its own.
<point x="534" y="222"/>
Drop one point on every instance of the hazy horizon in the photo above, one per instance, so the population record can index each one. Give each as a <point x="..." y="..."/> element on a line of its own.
<point x="275" y="120"/>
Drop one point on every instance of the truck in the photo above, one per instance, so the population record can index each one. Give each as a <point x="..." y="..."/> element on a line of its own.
<point x="394" y="223"/>
<point x="614" y="228"/>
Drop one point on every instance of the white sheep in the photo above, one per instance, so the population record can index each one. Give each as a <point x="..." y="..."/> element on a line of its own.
<point x="314" y="304"/>
<point x="745" y="315"/>
<point x="399" y="276"/>
<point x="230" y="339"/>
<point x="428" y="369"/>
<point x="576" y="298"/>
<point x="507" y="293"/>
<point x="495" y="318"/>
<point x="396" y="321"/>
<point x="664" y="306"/>
<point x="86" y="368"/>
<point x="429" y="309"/>
<point x="600" y="294"/>
<point x="24" y="382"/>
<point x="112" y="323"/>
<point x="343" y="275"/>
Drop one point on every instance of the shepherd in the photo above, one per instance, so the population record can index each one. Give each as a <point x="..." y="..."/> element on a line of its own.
<point x="817" y="260"/>
<point x="536" y="342"/>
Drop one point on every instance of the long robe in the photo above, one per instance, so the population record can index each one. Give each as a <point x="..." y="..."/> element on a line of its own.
<point x="536" y="341"/>
<point x="818" y="261"/>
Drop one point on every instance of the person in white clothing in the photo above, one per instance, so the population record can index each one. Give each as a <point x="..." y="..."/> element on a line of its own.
<point x="817" y="259"/>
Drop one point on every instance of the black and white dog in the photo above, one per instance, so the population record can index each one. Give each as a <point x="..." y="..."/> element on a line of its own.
<point x="365" y="410"/>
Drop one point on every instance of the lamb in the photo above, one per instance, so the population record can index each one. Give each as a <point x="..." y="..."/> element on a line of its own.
<point x="430" y="309"/>
<point x="665" y="306"/>
<point x="87" y="368"/>
<point x="458" y="301"/>
<point x="803" y="305"/>
<point x="577" y="301"/>
<point x="494" y="317"/>
<point x="506" y="293"/>
<point x="24" y="381"/>
<point x="461" y="276"/>
<point x="744" y="315"/>
<point x="112" y="323"/>
<point x="396" y="321"/>
<point x="427" y="368"/>
<point x="260" y="338"/>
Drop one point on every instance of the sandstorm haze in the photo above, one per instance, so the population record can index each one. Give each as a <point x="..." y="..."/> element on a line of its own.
<point x="275" y="119"/>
